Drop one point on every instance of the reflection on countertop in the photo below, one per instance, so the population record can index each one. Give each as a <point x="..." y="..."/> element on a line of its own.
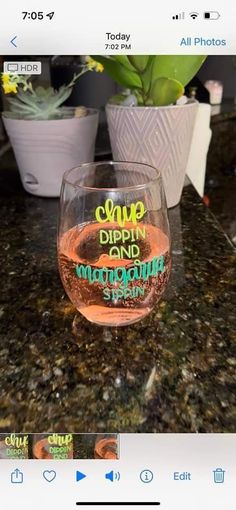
<point x="172" y="372"/>
<point x="223" y="112"/>
<point x="220" y="186"/>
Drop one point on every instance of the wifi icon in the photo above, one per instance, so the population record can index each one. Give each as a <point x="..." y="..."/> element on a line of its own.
<point x="193" y="15"/>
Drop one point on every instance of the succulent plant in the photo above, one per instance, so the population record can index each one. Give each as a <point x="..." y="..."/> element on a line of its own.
<point x="155" y="80"/>
<point x="41" y="103"/>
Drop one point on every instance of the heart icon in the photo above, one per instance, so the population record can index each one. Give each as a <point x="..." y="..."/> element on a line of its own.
<point x="49" y="475"/>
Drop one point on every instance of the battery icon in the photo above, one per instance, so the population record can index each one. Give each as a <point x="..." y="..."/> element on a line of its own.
<point x="219" y="475"/>
<point x="211" y="15"/>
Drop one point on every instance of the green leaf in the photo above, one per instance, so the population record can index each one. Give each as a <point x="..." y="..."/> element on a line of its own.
<point x="177" y="67"/>
<point x="124" y="61"/>
<point x="117" y="99"/>
<point x="139" y="62"/>
<point x="165" y="91"/>
<point x="119" y="73"/>
<point x="44" y="93"/>
<point x="18" y="105"/>
<point x="61" y="96"/>
<point x="147" y="75"/>
<point x="25" y="97"/>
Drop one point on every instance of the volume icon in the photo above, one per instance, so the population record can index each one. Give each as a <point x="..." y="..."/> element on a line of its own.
<point x="178" y="16"/>
<point x="113" y="476"/>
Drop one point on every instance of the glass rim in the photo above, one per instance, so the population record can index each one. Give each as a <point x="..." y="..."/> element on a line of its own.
<point x="112" y="163"/>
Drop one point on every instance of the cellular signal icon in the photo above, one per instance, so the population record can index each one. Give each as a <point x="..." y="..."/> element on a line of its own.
<point x="178" y="16"/>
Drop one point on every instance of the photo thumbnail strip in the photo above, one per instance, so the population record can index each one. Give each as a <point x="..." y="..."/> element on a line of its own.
<point x="59" y="446"/>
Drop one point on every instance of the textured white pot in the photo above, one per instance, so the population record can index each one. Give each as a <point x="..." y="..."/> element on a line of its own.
<point x="159" y="136"/>
<point x="45" y="149"/>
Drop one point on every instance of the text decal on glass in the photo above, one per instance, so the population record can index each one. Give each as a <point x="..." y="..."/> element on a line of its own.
<point x="122" y="240"/>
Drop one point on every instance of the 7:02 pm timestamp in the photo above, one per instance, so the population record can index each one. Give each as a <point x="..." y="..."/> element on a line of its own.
<point x="117" y="46"/>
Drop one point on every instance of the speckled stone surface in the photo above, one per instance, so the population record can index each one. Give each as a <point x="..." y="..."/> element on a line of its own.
<point x="221" y="178"/>
<point x="173" y="372"/>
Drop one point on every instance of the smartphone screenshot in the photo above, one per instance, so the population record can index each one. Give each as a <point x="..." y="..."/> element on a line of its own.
<point x="117" y="255"/>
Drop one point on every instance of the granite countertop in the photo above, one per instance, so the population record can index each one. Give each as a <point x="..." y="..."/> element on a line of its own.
<point x="223" y="112"/>
<point x="173" y="372"/>
<point x="220" y="186"/>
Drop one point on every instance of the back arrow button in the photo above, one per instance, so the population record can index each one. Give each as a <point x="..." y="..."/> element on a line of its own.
<point x="13" y="41"/>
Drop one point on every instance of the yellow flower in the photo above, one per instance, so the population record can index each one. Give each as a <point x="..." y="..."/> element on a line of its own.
<point x="93" y="65"/>
<point x="10" y="87"/>
<point x="99" y="67"/>
<point x="5" y="78"/>
<point x="9" y="83"/>
<point x="90" y="63"/>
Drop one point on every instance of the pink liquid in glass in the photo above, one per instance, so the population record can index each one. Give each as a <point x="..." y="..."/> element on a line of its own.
<point x="112" y="303"/>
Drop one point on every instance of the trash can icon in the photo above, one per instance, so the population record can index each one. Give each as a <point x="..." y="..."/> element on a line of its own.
<point x="219" y="475"/>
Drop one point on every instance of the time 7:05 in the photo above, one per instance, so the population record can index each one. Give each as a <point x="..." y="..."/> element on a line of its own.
<point x="37" y="15"/>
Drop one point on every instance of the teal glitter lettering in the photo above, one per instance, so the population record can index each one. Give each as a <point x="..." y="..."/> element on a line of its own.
<point x="141" y="271"/>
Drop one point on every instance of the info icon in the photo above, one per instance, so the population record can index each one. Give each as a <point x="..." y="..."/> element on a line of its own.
<point x="146" y="476"/>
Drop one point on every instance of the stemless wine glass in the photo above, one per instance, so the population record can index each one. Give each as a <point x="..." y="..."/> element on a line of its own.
<point x="113" y="242"/>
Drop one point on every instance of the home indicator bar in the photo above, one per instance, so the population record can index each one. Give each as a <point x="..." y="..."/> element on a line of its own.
<point x="119" y="503"/>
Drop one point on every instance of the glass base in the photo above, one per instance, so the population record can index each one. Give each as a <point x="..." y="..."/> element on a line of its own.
<point x="113" y="317"/>
<point x="106" y="333"/>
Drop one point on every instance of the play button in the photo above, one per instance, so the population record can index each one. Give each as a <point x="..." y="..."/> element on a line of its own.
<point x="79" y="476"/>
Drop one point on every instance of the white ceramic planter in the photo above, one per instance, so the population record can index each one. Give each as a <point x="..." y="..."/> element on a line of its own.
<point x="196" y="167"/>
<point x="159" y="136"/>
<point x="45" y="149"/>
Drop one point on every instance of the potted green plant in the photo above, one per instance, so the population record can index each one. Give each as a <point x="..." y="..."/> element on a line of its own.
<point x="46" y="137"/>
<point x="146" y="123"/>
